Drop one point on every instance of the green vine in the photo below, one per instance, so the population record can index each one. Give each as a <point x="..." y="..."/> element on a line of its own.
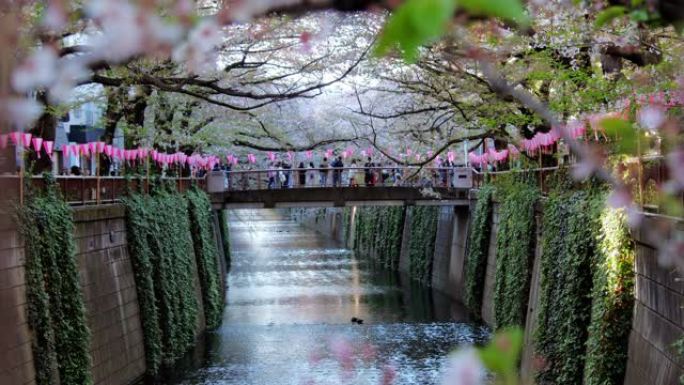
<point x="679" y="348"/>
<point x="56" y="313"/>
<point x="206" y="254"/>
<point x="475" y="267"/>
<point x="514" y="250"/>
<point x="422" y="242"/>
<point x="225" y="236"/>
<point x="162" y="250"/>
<point x="570" y="223"/>
<point x="613" y="300"/>
<point x="346" y="224"/>
<point x="378" y="233"/>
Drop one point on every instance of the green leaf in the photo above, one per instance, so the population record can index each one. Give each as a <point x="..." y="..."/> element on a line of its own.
<point x="511" y="10"/>
<point x="607" y="15"/>
<point x="502" y="353"/>
<point x="627" y="137"/>
<point x="414" y="23"/>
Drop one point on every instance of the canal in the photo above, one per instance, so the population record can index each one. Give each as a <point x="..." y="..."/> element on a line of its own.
<point x="291" y="297"/>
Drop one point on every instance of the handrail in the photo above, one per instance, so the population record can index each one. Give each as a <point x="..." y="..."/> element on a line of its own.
<point x="342" y="169"/>
<point x="91" y="189"/>
<point x="316" y="177"/>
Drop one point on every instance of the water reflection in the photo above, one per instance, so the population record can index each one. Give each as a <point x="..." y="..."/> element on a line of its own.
<point x="291" y="296"/>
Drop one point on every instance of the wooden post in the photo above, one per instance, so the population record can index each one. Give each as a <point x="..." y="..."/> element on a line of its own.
<point x="97" y="177"/>
<point x="21" y="181"/>
<point x="147" y="174"/>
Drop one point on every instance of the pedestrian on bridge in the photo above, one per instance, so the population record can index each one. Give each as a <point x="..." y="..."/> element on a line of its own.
<point x="324" y="172"/>
<point x="272" y="174"/>
<point x="311" y="175"/>
<point x="355" y="174"/>
<point x="337" y="172"/>
<point x="368" y="166"/>
<point x="301" y="172"/>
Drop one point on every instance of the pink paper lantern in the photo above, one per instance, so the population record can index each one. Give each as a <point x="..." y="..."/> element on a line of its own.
<point x="451" y="156"/>
<point x="92" y="147"/>
<point x="16" y="137"/>
<point x="309" y="154"/>
<point x="100" y="146"/>
<point x="37" y="145"/>
<point x="4" y="139"/>
<point x="26" y="139"/>
<point x="108" y="150"/>
<point x="513" y="151"/>
<point x="49" y="146"/>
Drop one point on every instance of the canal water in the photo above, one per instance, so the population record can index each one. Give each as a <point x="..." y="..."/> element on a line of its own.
<point x="291" y="297"/>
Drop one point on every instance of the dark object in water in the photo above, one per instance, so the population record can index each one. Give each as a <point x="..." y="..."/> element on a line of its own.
<point x="355" y="320"/>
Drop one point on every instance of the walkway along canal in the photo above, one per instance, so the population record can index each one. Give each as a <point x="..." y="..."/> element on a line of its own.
<point x="291" y="297"/>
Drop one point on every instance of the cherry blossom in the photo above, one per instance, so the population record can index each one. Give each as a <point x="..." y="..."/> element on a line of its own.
<point x="55" y="18"/>
<point x="69" y="73"/>
<point x="651" y="117"/>
<point x="199" y="52"/>
<point x="675" y="163"/>
<point x="389" y="373"/>
<point x="121" y="33"/>
<point x="21" y="112"/>
<point x="343" y="352"/>
<point x="464" y="368"/>
<point x="38" y="70"/>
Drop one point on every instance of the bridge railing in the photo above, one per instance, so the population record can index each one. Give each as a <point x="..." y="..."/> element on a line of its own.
<point x="87" y="190"/>
<point x="389" y="176"/>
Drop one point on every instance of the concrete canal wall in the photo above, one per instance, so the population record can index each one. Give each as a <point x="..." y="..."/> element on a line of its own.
<point x="109" y="290"/>
<point x="658" y="316"/>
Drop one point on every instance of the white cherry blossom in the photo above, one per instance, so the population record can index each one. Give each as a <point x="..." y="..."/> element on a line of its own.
<point x="464" y="368"/>
<point x="37" y="70"/>
<point x="22" y="112"/>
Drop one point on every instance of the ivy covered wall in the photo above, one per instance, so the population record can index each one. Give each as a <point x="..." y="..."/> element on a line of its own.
<point x="225" y="236"/>
<point x="421" y="243"/>
<point x="206" y="254"/>
<point x="586" y="284"/>
<point x="164" y="266"/>
<point x="378" y="234"/>
<point x="56" y="314"/>
<point x="570" y="225"/>
<point x="612" y="301"/>
<point x="515" y="244"/>
<point x="475" y="267"/>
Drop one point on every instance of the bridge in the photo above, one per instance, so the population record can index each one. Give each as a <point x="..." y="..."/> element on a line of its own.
<point x="339" y="187"/>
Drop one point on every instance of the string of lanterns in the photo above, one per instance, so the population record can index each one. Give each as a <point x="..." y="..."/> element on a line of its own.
<point x="541" y="142"/>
